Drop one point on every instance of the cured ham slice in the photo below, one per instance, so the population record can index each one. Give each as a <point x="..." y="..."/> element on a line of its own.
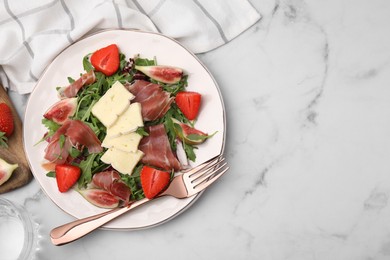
<point x="57" y="152"/>
<point x="111" y="182"/>
<point x="72" y="89"/>
<point x="157" y="149"/>
<point x="154" y="100"/>
<point x="73" y="133"/>
<point x="81" y="135"/>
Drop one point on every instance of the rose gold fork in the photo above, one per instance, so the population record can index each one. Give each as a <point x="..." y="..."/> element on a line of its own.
<point x="182" y="186"/>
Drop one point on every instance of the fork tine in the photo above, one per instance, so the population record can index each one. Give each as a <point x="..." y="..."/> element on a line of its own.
<point x="196" y="174"/>
<point x="210" y="181"/>
<point x="206" y="174"/>
<point x="202" y="166"/>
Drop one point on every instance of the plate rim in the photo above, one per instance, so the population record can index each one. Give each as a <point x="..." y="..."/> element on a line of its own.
<point x="115" y="30"/>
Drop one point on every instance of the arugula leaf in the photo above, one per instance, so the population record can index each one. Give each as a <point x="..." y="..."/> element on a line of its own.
<point x="145" y="62"/>
<point x="122" y="61"/>
<point x="70" y="80"/>
<point x="86" y="170"/>
<point x="50" y="125"/>
<point x="141" y="131"/>
<point x="87" y="111"/>
<point x="74" y="153"/>
<point x="3" y="140"/>
<point x="190" y="151"/>
<point x="134" y="182"/>
<point x="62" y="141"/>
<point x="173" y="89"/>
<point x="90" y="165"/>
<point x="51" y="174"/>
<point x="196" y="137"/>
<point x="170" y="128"/>
<point x="87" y="64"/>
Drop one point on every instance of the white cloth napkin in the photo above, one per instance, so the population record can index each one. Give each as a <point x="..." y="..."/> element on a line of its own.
<point x="32" y="33"/>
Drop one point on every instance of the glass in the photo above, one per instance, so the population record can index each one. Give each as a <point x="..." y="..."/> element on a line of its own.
<point x="17" y="232"/>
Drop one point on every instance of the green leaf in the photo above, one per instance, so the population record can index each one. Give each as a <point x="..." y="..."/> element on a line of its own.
<point x="141" y="131"/>
<point x="144" y="62"/>
<point x="51" y="174"/>
<point x="86" y="170"/>
<point x="62" y="141"/>
<point x="50" y="125"/>
<point x="3" y="140"/>
<point x="173" y="89"/>
<point x="190" y="151"/>
<point x="169" y="127"/>
<point x="87" y="64"/>
<point x="134" y="182"/>
<point x="196" y="137"/>
<point x="87" y="111"/>
<point x="122" y="61"/>
<point x="73" y="152"/>
<point x="70" y="80"/>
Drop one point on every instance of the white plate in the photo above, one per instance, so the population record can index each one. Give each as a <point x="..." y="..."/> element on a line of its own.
<point x="69" y="63"/>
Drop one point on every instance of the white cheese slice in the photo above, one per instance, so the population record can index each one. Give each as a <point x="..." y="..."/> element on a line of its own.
<point x="127" y="143"/>
<point x="128" y="122"/>
<point x="112" y="104"/>
<point x="122" y="161"/>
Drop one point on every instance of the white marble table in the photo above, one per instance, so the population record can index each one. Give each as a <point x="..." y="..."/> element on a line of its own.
<point x="307" y="96"/>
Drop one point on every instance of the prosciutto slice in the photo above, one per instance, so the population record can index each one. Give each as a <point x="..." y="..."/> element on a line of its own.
<point x="72" y="89"/>
<point x="111" y="182"/>
<point x="77" y="134"/>
<point x="56" y="152"/>
<point x="157" y="149"/>
<point x="154" y="100"/>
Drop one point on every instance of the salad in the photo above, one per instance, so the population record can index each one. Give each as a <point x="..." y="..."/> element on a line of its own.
<point x="121" y="131"/>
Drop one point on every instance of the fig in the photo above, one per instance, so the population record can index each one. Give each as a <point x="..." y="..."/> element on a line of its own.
<point x="6" y="170"/>
<point x="188" y="134"/>
<point x="61" y="110"/>
<point x="162" y="73"/>
<point x="100" y="198"/>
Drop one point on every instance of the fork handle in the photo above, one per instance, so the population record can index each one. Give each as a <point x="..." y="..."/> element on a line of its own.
<point x="76" y="229"/>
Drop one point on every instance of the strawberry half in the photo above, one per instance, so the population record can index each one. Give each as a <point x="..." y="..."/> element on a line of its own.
<point x="106" y="60"/>
<point x="188" y="103"/>
<point x="153" y="181"/>
<point x="66" y="176"/>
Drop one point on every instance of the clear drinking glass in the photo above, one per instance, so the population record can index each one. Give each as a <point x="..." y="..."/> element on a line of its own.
<point x="18" y="234"/>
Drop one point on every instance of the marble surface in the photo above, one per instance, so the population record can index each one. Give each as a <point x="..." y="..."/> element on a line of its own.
<point x="307" y="96"/>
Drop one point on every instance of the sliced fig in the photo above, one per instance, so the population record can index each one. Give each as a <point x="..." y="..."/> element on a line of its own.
<point x="6" y="170"/>
<point x="188" y="134"/>
<point x="62" y="110"/>
<point x="162" y="73"/>
<point x="100" y="198"/>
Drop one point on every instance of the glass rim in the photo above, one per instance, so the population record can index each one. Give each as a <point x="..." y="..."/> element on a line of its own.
<point x="29" y="239"/>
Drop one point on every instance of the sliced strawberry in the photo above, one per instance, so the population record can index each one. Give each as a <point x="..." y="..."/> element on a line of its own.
<point x="66" y="176"/>
<point x="153" y="181"/>
<point x="188" y="103"/>
<point x="106" y="60"/>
